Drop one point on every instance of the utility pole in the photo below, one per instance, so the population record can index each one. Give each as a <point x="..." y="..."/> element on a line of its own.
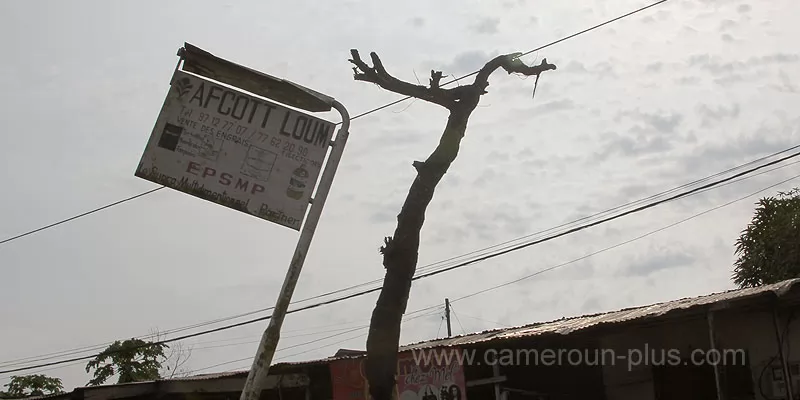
<point x="447" y="316"/>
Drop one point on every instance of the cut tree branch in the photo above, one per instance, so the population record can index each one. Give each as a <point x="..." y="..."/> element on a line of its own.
<point x="378" y="75"/>
<point x="513" y="65"/>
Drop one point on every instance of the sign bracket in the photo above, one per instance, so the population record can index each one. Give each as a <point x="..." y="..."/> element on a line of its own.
<point x="257" y="377"/>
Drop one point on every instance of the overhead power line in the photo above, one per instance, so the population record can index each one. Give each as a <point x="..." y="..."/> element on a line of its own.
<point x="341" y="341"/>
<point x="449" y="268"/>
<point x="74" y="351"/>
<point x="464" y="331"/>
<point x="429" y="266"/>
<point x="408" y="317"/>
<point x="486" y="320"/>
<point x="541" y="271"/>
<point x="363" y="114"/>
<point x="184" y="337"/>
<point x="602" y="221"/>
<point x="600" y="25"/>
<point x="81" y="215"/>
<point x="631" y="203"/>
<point x="100" y="347"/>
<point x="448" y="261"/>
<point x="432" y="266"/>
<point x="456" y="314"/>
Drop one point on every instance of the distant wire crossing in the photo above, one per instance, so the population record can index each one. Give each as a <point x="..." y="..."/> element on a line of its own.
<point x="663" y="228"/>
<point x="318" y="340"/>
<point x="539" y="272"/>
<point x="363" y="114"/>
<point x="175" y="339"/>
<point x="432" y="266"/>
<point x="450" y="268"/>
<point x="421" y="269"/>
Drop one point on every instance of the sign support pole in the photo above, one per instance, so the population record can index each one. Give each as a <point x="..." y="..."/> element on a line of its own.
<point x="257" y="378"/>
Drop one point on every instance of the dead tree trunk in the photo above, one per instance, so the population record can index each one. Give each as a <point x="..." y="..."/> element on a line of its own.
<point x="400" y="251"/>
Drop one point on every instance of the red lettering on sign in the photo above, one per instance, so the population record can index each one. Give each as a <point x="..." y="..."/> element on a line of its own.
<point x="225" y="179"/>
<point x="242" y="184"/>
<point x="192" y="165"/>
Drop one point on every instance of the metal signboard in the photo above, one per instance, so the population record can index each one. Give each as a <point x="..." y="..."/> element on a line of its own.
<point x="237" y="150"/>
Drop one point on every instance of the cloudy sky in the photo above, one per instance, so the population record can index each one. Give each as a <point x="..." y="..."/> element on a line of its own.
<point x="676" y="93"/>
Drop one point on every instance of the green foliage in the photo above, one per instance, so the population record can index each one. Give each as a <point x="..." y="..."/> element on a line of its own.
<point x="32" y="385"/>
<point x="133" y="360"/>
<point x="768" y="250"/>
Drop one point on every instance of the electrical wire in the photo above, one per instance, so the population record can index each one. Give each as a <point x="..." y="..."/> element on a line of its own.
<point x="90" y="348"/>
<point x="217" y="346"/>
<point x="408" y="317"/>
<point x="361" y="335"/>
<point x="314" y="341"/>
<point x="48" y="356"/>
<point x="632" y="203"/>
<point x="450" y="260"/>
<point x="541" y="271"/>
<point x="464" y="331"/>
<point x="81" y="215"/>
<point x="442" y="270"/>
<point x="100" y="347"/>
<point x="201" y="333"/>
<point x="628" y="14"/>
<point x="79" y="350"/>
<point x="601" y="221"/>
<point x="531" y="275"/>
<point x="486" y="320"/>
<point x="363" y="114"/>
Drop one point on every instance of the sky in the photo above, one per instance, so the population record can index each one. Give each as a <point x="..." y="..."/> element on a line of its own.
<point x="670" y="95"/>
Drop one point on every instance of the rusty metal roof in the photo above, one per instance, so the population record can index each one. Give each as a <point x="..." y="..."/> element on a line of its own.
<point x="570" y="325"/>
<point x="564" y="326"/>
<point x="214" y="375"/>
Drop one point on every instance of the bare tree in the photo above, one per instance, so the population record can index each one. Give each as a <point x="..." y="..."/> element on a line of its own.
<point x="400" y="252"/>
<point x="174" y="366"/>
<point x="175" y="358"/>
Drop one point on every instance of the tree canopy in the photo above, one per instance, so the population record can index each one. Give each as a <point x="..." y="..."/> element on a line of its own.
<point x="32" y="385"/>
<point x="768" y="250"/>
<point x="132" y="360"/>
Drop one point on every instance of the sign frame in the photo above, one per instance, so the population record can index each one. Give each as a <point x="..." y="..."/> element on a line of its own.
<point x="229" y="147"/>
<point x="294" y="95"/>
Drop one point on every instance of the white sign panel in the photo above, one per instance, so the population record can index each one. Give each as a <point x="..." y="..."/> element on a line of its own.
<point x="237" y="150"/>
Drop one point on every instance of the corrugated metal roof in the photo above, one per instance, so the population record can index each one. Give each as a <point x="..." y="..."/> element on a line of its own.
<point x="570" y="325"/>
<point x="566" y="326"/>
<point x="215" y="375"/>
<point x="48" y="396"/>
<point x="562" y="326"/>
